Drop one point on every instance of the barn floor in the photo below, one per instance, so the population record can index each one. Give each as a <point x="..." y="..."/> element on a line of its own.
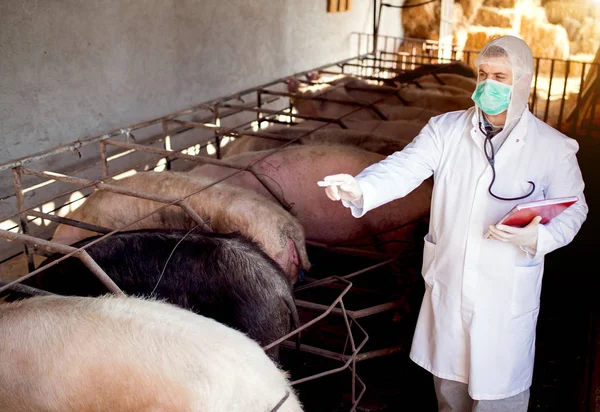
<point x="566" y="366"/>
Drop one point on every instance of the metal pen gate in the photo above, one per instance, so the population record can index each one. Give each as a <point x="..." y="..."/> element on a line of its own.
<point x="196" y="135"/>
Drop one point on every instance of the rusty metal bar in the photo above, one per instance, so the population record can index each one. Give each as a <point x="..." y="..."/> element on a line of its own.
<point x="340" y="357"/>
<point x="594" y="98"/>
<point x="70" y="222"/>
<point x="574" y="116"/>
<point x="357" y="314"/>
<point x="345" y="358"/>
<point x="94" y="164"/>
<point x="216" y="135"/>
<point x="549" y="91"/>
<point x="156" y="150"/>
<point x="27" y="290"/>
<point x="562" y="102"/>
<point x="279" y="112"/>
<point x="167" y="146"/>
<point x="378" y="353"/>
<point x="187" y="123"/>
<point x="326" y="99"/>
<point x="535" y="81"/>
<point x="202" y="159"/>
<point x="123" y="191"/>
<point x="315" y="320"/>
<point x="273" y="136"/>
<point x="364" y="76"/>
<point x="354" y="350"/>
<point x="58" y="248"/>
<point x="104" y="159"/>
<point x="315" y="351"/>
<point x="29" y="209"/>
<point x="22" y="217"/>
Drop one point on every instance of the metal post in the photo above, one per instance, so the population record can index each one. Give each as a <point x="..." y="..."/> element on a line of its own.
<point x="22" y="216"/>
<point x="549" y="91"/>
<point x="535" y="81"/>
<point x="596" y="88"/>
<point x="58" y="248"/>
<point x="575" y="113"/>
<point x="217" y="135"/>
<point x="562" y="102"/>
<point x="375" y="26"/>
<point x="103" y="159"/>
<point x="166" y="143"/>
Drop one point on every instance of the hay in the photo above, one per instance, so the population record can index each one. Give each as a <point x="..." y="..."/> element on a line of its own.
<point x="493" y="17"/>
<point x="478" y="36"/>
<point x="507" y="4"/>
<point x="460" y="38"/>
<point x="587" y="39"/>
<point x="470" y="9"/>
<point x="586" y="46"/>
<point x="572" y="27"/>
<point x="424" y="22"/>
<point x="545" y="39"/>
<point x="556" y="11"/>
<point x="421" y="22"/>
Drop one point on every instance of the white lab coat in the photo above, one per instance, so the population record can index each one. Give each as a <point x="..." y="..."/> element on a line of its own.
<point x="478" y="317"/>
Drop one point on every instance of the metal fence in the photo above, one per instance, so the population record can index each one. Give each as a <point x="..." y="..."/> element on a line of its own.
<point x="564" y="93"/>
<point x="194" y="135"/>
<point x="46" y="185"/>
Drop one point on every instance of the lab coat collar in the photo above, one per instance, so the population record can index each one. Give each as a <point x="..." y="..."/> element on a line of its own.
<point x="515" y="140"/>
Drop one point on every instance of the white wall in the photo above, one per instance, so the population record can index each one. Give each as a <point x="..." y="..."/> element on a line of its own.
<point x="71" y="69"/>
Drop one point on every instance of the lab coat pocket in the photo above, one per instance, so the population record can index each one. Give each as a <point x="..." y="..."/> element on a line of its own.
<point x="527" y="286"/>
<point x="428" y="258"/>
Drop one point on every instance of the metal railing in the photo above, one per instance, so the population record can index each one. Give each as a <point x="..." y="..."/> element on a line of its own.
<point x="558" y="95"/>
<point x="264" y="104"/>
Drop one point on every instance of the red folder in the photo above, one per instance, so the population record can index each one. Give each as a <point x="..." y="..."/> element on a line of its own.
<point x="548" y="209"/>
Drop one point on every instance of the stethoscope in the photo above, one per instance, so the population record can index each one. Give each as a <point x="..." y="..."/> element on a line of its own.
<point x="491" y="160"/>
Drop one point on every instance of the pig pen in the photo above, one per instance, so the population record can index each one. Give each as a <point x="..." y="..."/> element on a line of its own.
<point x="358" y="304"/>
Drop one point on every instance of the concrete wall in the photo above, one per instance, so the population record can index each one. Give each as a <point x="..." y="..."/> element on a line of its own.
<point x="70" y="69"/>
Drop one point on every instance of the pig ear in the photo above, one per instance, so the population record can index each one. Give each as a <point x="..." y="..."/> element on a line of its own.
<point x="292" y="252"/>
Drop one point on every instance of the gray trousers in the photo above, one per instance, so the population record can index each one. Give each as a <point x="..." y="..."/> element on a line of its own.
<point x="453" y="396"/>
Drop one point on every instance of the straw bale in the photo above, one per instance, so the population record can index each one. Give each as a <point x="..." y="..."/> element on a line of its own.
<point x="587" y="39"/>
<point x="545" y="39"/>
<point x="554" y="107"/>
<point x="478" y="36"/>
<point x="460" y="37"/>
<point x="560" y="68"/>
<point x="421" y="22"/>
<point x="493" y="17"/>
<point x="470" y="9"/>
<point x="572" y="27"/>
<point x="556" y="11"/>
<point x="506" y="4"/>
<point x="424" y="22"/>
<point x="585" y="46"/>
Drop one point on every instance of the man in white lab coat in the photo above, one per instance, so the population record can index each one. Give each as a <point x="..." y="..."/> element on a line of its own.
<point x="476" y="327"/>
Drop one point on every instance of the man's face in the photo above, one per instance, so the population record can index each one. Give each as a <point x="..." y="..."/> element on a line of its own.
<point x="500" y="73"/>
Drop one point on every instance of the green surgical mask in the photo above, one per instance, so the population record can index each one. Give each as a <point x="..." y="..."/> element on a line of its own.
<point x="492" y="97"/>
